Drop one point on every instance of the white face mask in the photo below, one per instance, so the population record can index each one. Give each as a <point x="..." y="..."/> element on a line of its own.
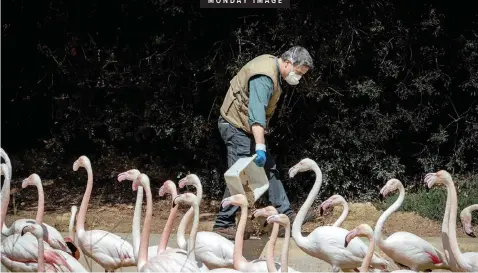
<point x="292" y="78"/>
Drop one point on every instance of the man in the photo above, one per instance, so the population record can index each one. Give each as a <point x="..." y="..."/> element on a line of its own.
<point x="245" y="114"/>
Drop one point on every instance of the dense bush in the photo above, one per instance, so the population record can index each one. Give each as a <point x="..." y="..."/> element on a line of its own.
<point x="431" y="204"/>
<point x="139" y="85"/>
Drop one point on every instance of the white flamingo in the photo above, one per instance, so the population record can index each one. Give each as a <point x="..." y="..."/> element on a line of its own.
<point x="131" y="175"/>
<point x="465" y="217"/>
<point x="212" y="249"/>
<point x="109" y="250"/>
<point x="326" y="242"/>
<point x="365" y="230"/>
<point x="403" y="247"/>
<point x="240" y="263"/>
<point x="458" y="261"/>
<point x="167" y="261"/>
<point x="282" y="220"/>
<point x="329" y="204"/>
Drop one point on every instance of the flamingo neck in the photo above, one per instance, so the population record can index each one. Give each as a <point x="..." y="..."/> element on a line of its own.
<point x="192" y="235"/>
<point x="163" y="242"/>
<point x="70" y="226"/>
<point x="455" y="248"/>
<point x="446" y="215"/>
<point x="181" y="234"/>
<point x="344" y="214"/>
<point x="41" y="204"/>
<point x="285" y="250"/>
<point x="471" y="208"/>
<point x="271" y="267"/>
<point x="381" y="221"/>
<point x="136" y="221"/>
<point x="368" y="258"/>
<point x="41" y="254"/>
<point x="297" y="225"/>
<point x="238" y="260"/>
<point x="144" y="243"/>
<point x="80" y="223"/>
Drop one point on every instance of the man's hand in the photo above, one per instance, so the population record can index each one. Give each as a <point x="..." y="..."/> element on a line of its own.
<point x="261" y="155"/>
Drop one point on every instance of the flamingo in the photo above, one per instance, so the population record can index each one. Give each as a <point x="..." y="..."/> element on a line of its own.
<point x="326" y="242"/>
<point x="131" y="175"/>
<point x="403" y="247"/>
<point x="458" y="261"/>
<point x="329" y="204"/>
<point x="18" y="255"/>
<point x="465" y="217"/>
<point x="70" y="240"/>
<point x="365" y="230"/>
<point x="109" y="250"/>
<point x="240" y="263"/>
<point x="167" y="261"/>
<point x="283" y="220"/>
<point x="212" y="249"/>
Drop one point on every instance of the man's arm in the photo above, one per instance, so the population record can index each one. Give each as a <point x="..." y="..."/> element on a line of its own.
<point x="260" y="92"/>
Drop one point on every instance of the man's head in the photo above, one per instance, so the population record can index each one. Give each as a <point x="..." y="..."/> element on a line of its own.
<point x="294" y="63"/>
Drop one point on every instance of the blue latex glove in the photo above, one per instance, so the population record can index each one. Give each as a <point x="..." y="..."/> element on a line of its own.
<point x="260" y="159"/>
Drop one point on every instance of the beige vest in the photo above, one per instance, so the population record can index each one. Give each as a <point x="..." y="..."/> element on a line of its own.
<point x="234" y="108"/>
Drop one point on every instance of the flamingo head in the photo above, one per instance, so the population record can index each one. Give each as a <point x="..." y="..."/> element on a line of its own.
<point x="235" y="200"/>
<point x="75" y="252"/>
<point x="32" y="180"/>
<point x="4" y="170"/>
<point x="130" y="175"/>
<point x="391" y="186"/>
<point x="329" y="204"/>
<point x="34" y="229"/>
<point x="168" y="187"/>
<point x="187" y="199"/>
<point x="362" y="230"/>
<point x="437" y="178"/>
<point x="281" y="219"/>
<point x="465" y="217"/>
<point x="264" y="212"/>
<point x="141" y="181"/>
<point x="189" y="180"/>
<point x="304" y="165"/>
<point x="82" y="161"/>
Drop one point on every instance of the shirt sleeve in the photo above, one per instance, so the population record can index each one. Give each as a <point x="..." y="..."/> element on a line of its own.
<point x="260" y="92"/>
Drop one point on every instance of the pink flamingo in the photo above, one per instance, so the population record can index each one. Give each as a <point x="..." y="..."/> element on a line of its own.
<point x="283" y="220"/>
<point x="132" y="175"/>
<point x="458" y="261"/>
<point x="240" y="263"/>
<point x="403" y="247"/>
<point x="52" y="236"/>
<point x="212" y="249"/>
<point x="465" y="217"/>
<point x="329" y="204"/>
<point x="107" y="249"/>
<point x="365" y="230"/>
<point x="325" y="241"/>
<point x="167" y="261"/>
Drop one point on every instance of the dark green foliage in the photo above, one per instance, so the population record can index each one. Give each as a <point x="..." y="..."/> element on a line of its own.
<point x="139" y="84"/>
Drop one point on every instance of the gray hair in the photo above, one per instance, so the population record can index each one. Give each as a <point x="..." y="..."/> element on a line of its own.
<point x="298" y="56"/>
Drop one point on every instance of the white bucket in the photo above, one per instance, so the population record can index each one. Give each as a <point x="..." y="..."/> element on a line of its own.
<point x="246" y="173"/>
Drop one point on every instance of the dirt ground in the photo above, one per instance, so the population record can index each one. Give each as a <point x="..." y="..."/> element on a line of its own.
<point x="118" y="218"/>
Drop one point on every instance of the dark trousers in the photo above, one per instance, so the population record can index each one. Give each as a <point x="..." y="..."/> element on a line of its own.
<point x="239" y="144"/>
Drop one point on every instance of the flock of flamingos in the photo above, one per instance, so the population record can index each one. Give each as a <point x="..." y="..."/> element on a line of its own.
<point x="29" y="245"/>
